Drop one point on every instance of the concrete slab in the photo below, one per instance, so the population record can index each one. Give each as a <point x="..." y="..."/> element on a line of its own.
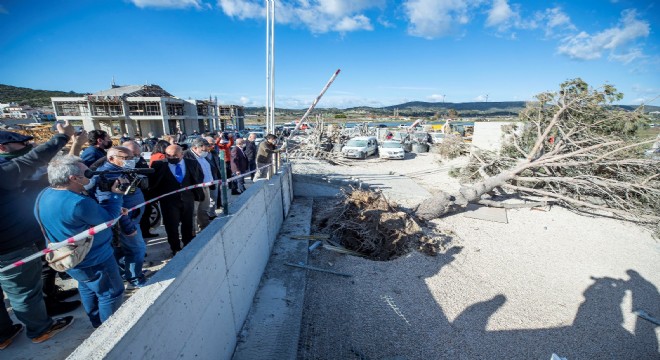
<point x="474" y="211"/>
<point x="272" y="327"/>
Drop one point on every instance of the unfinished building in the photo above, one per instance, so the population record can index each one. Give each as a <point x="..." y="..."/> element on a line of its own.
<point x="140" y="109"/>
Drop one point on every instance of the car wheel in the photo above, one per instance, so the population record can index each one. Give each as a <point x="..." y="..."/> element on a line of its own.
<point x="154" y="218"/>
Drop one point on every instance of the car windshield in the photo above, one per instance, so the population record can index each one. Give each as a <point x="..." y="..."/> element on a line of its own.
<point x="392" y="145"/>
<point x="439" y="136"/>
<point x="356" y="143"/>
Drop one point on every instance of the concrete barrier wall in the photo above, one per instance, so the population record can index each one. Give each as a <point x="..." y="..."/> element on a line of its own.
<point x="195" y="306"/>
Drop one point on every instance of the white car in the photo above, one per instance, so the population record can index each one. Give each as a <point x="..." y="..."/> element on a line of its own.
<point x="391" y="150"/>
<point x="437" y="138"/>
<point x="360" y="147"/>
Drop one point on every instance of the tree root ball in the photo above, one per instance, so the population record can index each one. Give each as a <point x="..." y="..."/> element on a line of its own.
<point x="365" y="222"/>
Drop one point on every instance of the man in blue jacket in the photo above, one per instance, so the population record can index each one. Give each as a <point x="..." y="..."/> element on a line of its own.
<point x="64" y="210"/>
<point x="99" y="142"/>
<point x="132" y="246"/>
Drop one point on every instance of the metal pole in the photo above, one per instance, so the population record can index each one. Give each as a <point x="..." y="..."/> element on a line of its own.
<point x="316" y="101"/>
<point x="272" y="67"/>
<point x="267" y="103"/>
<point x="223" y="189"/>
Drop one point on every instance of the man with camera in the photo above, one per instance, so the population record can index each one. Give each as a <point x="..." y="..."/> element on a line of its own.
<point x="63" y="211"/>
<point x="178" y="208"/>
<point x="198" y="151"/>
<point x="120" y="162"/>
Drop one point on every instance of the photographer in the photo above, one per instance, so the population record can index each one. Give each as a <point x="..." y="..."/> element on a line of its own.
<point x="130" y="238"/>
<point x="65" y="211"/>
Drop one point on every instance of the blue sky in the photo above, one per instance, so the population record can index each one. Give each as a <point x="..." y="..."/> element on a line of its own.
<point x="388" y="51"/>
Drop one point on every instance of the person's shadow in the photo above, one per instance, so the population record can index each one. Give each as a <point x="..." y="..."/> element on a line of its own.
<point x="403" y="311"/>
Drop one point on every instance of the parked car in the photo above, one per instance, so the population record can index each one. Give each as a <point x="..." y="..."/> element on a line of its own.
<point x="391" y="150"/>
<point x="360" y="147"/>
<point x="437" y="138"/>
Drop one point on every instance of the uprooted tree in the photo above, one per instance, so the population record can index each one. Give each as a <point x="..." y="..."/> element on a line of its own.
<point x="574" y="149"/>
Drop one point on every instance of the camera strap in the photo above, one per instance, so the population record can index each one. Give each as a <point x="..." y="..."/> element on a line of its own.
<point x="43" y="231"/>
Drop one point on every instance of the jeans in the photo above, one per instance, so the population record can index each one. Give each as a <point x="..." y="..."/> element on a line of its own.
<point x="132" y="250"/>
<point x="23" y="287"/>
<point x="101" y="289"/>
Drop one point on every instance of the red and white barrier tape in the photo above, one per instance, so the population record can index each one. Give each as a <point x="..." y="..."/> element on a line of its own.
<point x="98" y="228"/>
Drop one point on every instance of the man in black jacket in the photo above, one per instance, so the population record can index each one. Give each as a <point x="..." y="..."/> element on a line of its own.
<point x="20" y="235"/>
<point x="177" y="209"/>
<point x="214" y="159"/>
<point x="251" y="153"/>
<point x="198" y="152"/>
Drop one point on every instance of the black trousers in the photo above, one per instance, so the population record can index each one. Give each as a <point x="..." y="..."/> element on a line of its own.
<point x="145" y="226"/>
<point x="175" y="213"/>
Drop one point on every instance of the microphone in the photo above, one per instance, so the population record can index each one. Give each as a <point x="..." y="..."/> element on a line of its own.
<point x="89" y="173"/>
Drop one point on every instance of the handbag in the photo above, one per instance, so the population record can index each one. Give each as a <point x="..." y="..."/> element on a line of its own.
<point x="68" y="256"/>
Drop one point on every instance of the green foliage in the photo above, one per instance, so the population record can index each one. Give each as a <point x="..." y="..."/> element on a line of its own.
<point x="584" y="114"/>
<point x="25" y="96"/>
<point x="340" y="116"/>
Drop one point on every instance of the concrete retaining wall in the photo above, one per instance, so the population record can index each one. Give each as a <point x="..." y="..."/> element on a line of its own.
<point x="195" y="306"/>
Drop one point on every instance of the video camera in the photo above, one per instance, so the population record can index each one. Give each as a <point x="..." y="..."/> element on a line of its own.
<point x="135" y="177"/>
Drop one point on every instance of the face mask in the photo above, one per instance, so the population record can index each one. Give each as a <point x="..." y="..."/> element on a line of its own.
<point x="129" y="164"/>
<point x="204" y="154"/>
<point x="91" y="184"/>
<point x="173" y="161"/>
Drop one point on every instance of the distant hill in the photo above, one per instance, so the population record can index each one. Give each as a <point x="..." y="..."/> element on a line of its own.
<point x="26" y="96"/>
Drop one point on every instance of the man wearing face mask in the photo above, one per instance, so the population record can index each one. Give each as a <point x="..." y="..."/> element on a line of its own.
<point x="178" y="209"/>
<point x="99" y="142"/>
<point x="132" y="247"/>
<point x="199" y="151"/>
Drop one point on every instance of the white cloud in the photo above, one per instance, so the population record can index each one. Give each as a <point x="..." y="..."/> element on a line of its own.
<point x="627" y="57"/>
<point x="320" y="16"/>
<point x="555" y="22"/>
<point x="242" y="9"/>
<point x="434" y="18"/>
<point x="619" y="41"/>
<point x="481" y="98"/>
<point x="245" y="101"/>
<point x="500" y="13"/>
<point x="436" y="97"/>
<point x="173" y="4"/>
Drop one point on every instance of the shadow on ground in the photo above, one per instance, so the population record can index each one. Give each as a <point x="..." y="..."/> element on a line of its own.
<point x="374" y="315"/>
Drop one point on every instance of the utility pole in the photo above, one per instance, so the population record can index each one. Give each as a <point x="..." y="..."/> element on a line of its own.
<point x="270" y="66"/>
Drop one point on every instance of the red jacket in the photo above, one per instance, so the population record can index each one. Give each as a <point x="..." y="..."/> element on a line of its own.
<point x="226" y="148"/>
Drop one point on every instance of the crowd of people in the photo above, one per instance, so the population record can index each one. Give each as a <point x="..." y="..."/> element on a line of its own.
<point x="48" y="197"/>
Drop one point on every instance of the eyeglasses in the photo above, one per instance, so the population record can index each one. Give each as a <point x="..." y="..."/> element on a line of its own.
<point x="124" y="157"/>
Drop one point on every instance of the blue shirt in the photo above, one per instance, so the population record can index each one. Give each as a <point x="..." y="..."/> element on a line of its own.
<point x="126" y="223"/>
<point x="64" y="213"/>
<point x="91" y="154"/>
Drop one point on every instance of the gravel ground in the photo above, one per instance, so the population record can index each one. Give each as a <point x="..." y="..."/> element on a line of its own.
<point x="546" y="282"/>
